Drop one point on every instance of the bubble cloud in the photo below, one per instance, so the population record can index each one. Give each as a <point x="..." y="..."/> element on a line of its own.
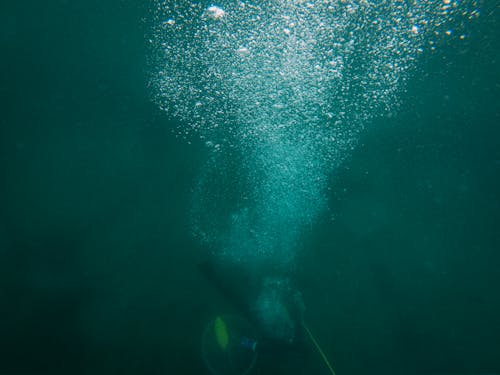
<point x="280" y="90"/>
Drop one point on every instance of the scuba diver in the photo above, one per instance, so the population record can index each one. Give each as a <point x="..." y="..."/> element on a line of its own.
<point x="271" y="304"/>
<point x="275" y="310"/>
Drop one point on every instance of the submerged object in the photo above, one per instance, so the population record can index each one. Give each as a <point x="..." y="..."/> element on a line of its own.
<point x="278" y="316"/>
<point x="228" y="346"/>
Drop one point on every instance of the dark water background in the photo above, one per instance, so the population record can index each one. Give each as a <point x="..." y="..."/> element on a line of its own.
<point x="97" y="266"/>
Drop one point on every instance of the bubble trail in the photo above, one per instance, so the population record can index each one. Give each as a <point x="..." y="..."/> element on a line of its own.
<point x="280" y="90"/>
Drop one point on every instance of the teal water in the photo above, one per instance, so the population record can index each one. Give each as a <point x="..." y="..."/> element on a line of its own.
<point x="398" y="267"/>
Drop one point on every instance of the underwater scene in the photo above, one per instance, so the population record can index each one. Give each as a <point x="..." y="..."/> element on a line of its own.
<point x="250" y="187"/>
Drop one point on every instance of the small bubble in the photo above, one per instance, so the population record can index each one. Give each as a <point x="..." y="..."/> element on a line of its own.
<point x="475" y="13"/>
<point x="243" y="51"/>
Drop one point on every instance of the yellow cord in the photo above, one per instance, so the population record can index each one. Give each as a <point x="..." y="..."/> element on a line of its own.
<point x="320" y="351"/>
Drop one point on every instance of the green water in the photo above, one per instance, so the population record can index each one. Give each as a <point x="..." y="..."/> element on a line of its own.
<point x="98" y="265"/>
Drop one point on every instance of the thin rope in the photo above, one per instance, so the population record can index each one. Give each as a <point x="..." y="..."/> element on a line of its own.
<point x="320" y="351"/>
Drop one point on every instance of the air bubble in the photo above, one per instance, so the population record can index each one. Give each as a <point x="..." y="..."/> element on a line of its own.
<point x="289" y="86"/>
